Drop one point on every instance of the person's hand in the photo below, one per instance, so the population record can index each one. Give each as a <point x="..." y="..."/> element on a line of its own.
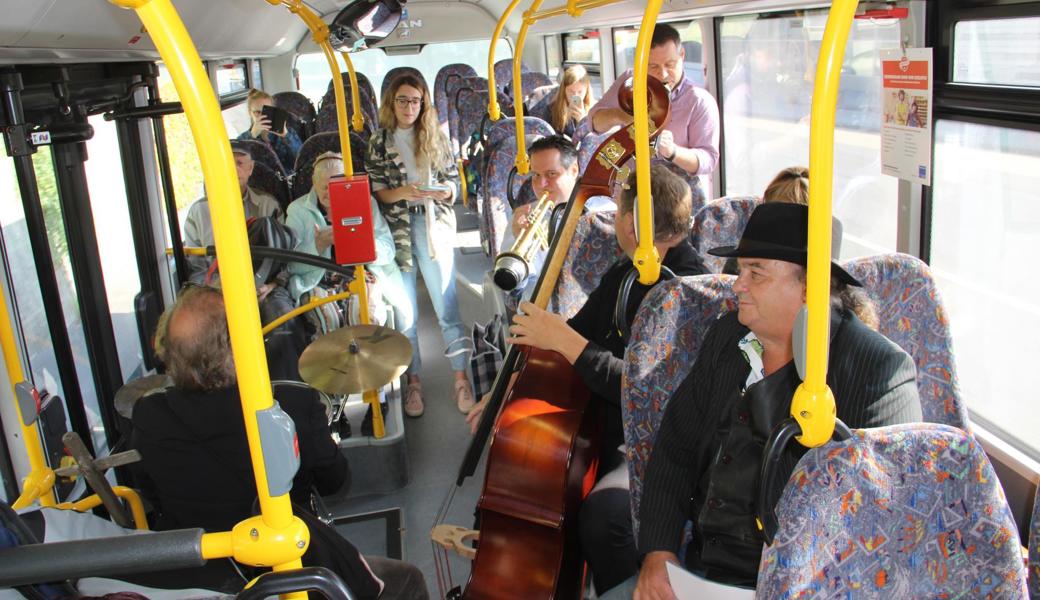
<point x="260" y="125"/>
<point x="473" y="417"/>
<point x="576" y="111"/>
<point x="521" y="216"/>
<point x="410" y="191"/>
<point x="539" y="328"/>
<point x="653" y="581"/>
<point x="666" y="145"/>
<point x="264" y="290"/>
<point x="322" y="238"/>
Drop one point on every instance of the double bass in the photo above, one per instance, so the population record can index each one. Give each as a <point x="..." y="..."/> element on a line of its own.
<point x="543" y="455"/>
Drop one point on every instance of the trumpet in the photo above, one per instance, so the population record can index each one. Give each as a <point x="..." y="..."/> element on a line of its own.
<point x="514" y="265"/>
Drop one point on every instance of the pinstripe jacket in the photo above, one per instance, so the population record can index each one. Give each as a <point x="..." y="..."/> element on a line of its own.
<point x="386" y="170"/>
<point x="705" y="462"/>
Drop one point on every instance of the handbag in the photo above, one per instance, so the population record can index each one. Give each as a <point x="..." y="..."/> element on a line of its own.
<point x="488" y="345"/>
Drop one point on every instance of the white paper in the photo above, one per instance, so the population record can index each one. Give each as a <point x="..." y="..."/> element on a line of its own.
<point x="688" y="586"/>
<point x="906" y="114"/>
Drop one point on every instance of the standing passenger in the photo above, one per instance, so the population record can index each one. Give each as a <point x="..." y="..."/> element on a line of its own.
<point x="413" y="175"/>
<point x="285" y="143"/>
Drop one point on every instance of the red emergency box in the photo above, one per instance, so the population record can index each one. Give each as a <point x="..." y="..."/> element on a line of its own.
<point x="352" y="228"/>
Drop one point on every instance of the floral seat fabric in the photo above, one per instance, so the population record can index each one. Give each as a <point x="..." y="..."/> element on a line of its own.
<point x="397" y="72"/>
<point x="1034" y="549"/>
<point x="301" y="109"/>
<point x="721" y="223"/>
<point x="264" y="154"/>
<point x="912" y="315"/>
<point x="666" y="338"/>
<point x="267" y="181"/>
<point x="314" y="147"/>
<point x="504" y="72"/>
<point x="906" y="511"/>
<point x="327" y="119"/>
<point x="592" y="252"/>
<point x="441" y="99"/>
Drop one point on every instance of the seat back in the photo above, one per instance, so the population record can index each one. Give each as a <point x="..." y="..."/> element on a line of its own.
<point x="1034" y="548"/>
<point x="443" y="102"/>
<point x="300" y="107"/>
<point x="530" y="81"/>
<point x="720" y="223"/>
<point x="397" y="72"/>
<point x="540" y="99"/>
<point x="666" y="339"/>
<point x="269" y="182"/>
<point x="317" y="144"/>
<point x="504" y="73"/>
<point x="327" y="119"/>
<point x="905" y="511"/>
<point x="470" y="109"/>
<point x="588" y="143"/>
<point x="500" y="159"/>
<point x="592" y="252"/>
<point x="263" y="154"/>
<point x="912" y="315"/>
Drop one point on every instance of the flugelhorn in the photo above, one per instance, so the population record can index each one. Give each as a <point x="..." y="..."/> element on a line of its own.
<point x="514" y="265"/>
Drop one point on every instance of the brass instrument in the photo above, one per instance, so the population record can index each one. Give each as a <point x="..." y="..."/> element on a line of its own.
<point x="514" y="265"/>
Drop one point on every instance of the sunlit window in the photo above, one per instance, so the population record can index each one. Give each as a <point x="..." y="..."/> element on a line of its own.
<point x="768" y="68"/>
<point x="997" y="51"/>
<point x="985" y="231"/>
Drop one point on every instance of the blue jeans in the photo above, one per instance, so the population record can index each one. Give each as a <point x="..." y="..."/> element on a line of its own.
<point x="439" y="276"/>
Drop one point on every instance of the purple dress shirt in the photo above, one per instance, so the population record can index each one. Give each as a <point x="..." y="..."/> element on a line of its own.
<point x="694" y="122"/>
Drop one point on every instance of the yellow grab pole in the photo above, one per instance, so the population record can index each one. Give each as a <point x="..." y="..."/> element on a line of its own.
<point x="356" y="119"/>
<point x="128" y="494"/>
<point x="276" y="537"/>
<point x="813" y="403"/>
<point x="39" y="483"/>
<point x="578" y="9"/>
<point x="299" y="310"/>
<point x="494" y="112"/>
<point x="370" y="397"/>
<point x="646" y="257"/>
<point x="523" y="162"/>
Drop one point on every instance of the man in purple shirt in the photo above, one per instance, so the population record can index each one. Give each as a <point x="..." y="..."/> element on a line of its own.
<point x="691" y="138"/>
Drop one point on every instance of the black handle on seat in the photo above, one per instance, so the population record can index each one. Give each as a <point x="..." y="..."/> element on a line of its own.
<point x="318" y="579"/>
<point x="620" y="318"/>
<point x="509" y="188"/>
<point x="769" y="470"/>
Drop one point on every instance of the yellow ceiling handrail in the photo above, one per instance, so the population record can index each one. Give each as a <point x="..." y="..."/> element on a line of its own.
<point x="573" y="9"/>
<point x="813" y="403"/>
<point x="646" y="259"/>
<point x="494" y="111"/>
<point x="523" y="162"/>
<point x="276" y="537"/>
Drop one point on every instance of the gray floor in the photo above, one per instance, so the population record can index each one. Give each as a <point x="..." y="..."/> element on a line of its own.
<point x="436" y="441"/>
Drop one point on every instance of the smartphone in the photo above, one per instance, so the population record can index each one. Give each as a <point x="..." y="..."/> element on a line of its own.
<point x="577" y="99"/>
<point x="433" y="187"/>
<point x="277" y="117"/>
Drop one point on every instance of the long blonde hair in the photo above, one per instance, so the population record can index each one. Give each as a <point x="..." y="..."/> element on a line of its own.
<point x="558" y="113"/>
<point x="430" y="142"/>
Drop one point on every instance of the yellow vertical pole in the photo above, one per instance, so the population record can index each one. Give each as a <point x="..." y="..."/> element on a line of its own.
<point x="276" y="537"/>
<point x="494" y="111"/>
<point x="813" y="403"/>
<point x="355" y="96"/>
<point x="523" y="162"/>
<point x="646" y="258"/>
<point x="39" y="483"/>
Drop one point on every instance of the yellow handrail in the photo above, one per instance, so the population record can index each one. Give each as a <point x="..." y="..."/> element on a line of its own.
<point x="813" y="403"/>
<point x="39" y="483"/>
<point x="128" y="494"/>
<point x="646" y="258"/>
<point x="523" y="162"/>
<point x="299" y="310"/>
<point x="575" y="11"/>
<point x="276" y="537"/>
<point x="494" y="112"/>
<point x="356" y="119"/>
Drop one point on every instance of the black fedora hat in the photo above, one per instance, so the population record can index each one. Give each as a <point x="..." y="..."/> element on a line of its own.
<point x="780" y="231"/>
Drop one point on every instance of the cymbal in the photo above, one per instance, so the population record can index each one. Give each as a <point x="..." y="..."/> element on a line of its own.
<point x="132" y="391"/>
<point x="353" y="359"/>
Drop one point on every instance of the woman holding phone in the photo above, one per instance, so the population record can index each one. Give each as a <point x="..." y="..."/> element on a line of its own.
<point x="268" y="126"/>
<point x="414" y="177"/>
<point x="572" y="101"/>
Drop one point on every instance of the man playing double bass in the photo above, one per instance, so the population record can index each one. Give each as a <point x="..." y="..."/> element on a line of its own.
<point x="590" y="341"/>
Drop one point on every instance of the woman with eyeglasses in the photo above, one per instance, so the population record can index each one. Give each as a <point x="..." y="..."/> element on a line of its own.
<point x="413" y="175"/>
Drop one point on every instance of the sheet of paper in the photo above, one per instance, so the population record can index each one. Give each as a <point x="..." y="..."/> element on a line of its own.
<point x="688" y="586"/>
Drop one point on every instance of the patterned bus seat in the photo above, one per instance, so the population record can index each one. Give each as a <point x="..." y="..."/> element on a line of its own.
<point x="588" y="143"/>
<point x="540" y="99"/>
<point x="501" y="157"/>
<point x="666" y="338"/>
<point x="442" y="101"/>
<point x="592" y="252"/>
<point x="301" y="108"/>
<point x="530" y="81"/>
<point x="1034" y="548"/>
<point x="269" y="182"/>
<point x="318" y="144"/>
<point x="327" y="119"/>
<point x="264" y="154"/>
<point x="471" y="107"/>
<point x="911" y="314"/>
<point x="720" y="223"/>
<point x="456" y="99"/>
<point x="397" y="72"/>
<point x="905" y="511"/>
<point x="504" y="72"/>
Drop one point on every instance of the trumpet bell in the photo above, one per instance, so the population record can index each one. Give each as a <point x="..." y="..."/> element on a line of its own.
<point x="510" y="271"/>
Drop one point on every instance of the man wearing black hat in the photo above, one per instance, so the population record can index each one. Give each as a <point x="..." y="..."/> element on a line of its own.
<point x="705" y="463"/>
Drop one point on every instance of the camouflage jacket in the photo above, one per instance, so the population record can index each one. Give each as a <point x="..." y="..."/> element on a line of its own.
<point x="386" y="170"/>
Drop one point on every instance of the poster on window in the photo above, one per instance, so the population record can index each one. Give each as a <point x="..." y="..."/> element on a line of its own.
<point x="906" y="114"/>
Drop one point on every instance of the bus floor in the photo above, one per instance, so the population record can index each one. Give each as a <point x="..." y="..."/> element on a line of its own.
<point x="436" y="441"/>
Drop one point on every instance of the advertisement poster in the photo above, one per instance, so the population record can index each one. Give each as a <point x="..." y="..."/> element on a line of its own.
<point x="906" y="115"/>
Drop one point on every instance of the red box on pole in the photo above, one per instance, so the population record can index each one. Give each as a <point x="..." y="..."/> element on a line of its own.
<point x="353" y="232"/>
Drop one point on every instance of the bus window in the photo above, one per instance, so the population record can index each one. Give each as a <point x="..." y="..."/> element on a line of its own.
<point x="768" y="68"/>
<point x="184" y="159"/>
<point x="985" y="231"/>
<point x="997" y="51"/>
<point x="31" y="313"/>
<point x="582" y="48"/>
<point x="231" y="77"/>
<point x="690" y="34"/>
<point x="374" y="63"/>
<point x="553" y="56"/>
<point x="112" y="222"/>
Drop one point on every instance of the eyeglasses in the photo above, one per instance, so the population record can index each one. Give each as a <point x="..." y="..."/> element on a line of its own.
<point x="404" y="102"/>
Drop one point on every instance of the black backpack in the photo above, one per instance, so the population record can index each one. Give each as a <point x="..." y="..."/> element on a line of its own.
<point x="265" y="232"/>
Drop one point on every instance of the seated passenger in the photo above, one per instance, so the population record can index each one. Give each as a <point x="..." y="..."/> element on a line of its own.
<point x="413" y="175"/>
<point x="195" y="465"/>
<point x="285" y="143"/>
<point x="308" y="217"/>
<point x="705" y="463"/>
<point x="590" y="341"/>
<point x="789" y="185"/>
<point x="572" y="100"/>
